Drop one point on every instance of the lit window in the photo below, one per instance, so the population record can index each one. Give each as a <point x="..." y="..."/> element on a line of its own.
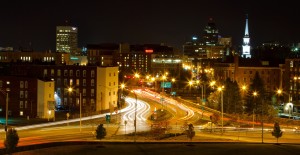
<point x="92" y="82"/>
<point x="21" y="94"/>
<point x="92" y="92"/>
<point x="84" y="82"/>
<point x="58" y="72"/>
<point x="21" y="84"/>
<point x="71" y="82"/>
<point x="21" y="104"/>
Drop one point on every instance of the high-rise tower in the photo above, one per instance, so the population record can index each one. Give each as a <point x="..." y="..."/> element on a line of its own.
<point x="211" y="33"/>
<point x="246" y="42"/>
<point x="66" y="39"/>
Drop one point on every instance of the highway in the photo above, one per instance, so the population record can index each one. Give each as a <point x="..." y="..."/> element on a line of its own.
<point x="146" y="102"/>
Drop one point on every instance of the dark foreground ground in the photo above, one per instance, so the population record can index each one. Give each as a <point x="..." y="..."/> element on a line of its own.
<point x="166" y="149"/>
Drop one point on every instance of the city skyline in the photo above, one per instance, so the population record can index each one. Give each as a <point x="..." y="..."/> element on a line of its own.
<point x="33" y="24"/>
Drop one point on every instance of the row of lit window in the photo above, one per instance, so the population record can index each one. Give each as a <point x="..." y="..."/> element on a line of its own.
<point x="92" y="101"/>
<point x="262" y="72"/>
<point x="23" y="84"/>
<point x="77" y="82"/>
<point x="69" y="72"/>
<point x="3" y="57"/>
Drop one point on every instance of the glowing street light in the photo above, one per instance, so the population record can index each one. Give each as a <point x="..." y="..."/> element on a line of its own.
<point x="191" y="84"/>
<point x="173" y="81"/>
<point x="254" y="94"/>
<point x="212" y="84"/>
<point x="136" y="75"/>
<point x="135" y="115"/>
<point x="70" y="89"/>
<point x="279" y="91"/>
<point x="6" y="106"/>
<point x="220" y="89"/>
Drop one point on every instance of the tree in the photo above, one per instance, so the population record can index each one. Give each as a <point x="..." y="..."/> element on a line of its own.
<point x="190" y="132"/>
<point x="232" y="97"/>
<point x="100" y="132"/>
<point x="255" y="103"/>
<point x="277" y="133"/>
<point x="213" y="100"/>
<point x="12" y="140"/>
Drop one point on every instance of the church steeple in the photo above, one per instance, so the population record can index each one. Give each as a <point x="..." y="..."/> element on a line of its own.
<point x="246" y="41"/>
<point x="246" y="27"/>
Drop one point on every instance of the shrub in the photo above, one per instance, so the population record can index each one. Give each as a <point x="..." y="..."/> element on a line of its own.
<point x="100" y="132"/>
<point x="277" y="133"/>
<point x="12" y="139"/>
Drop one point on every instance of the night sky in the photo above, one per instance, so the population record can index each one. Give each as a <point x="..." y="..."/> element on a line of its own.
<point x="25" y="22"/>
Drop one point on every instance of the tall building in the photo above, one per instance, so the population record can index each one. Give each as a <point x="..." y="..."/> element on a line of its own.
<point x="66" y="40"/>
<point x="246" y="42"/>
<point x="211" y="33"/>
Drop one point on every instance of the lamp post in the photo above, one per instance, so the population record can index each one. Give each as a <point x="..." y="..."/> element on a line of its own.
<point x="6" y="112"/>
<point x="244" y="88"/>
<point x="122" y="86"/>
<point x="254" y="94"/>
<point x="190" y="84"/>
<point x="70" y="90"/>
<point x="80" y="110"/>
<point x="173" y="81"/>
<point x="6" y="106"/>
<point x="153" y="81"/>
<point x="221" y="90"/>
<point x="262" y="121"/>
<point x="135" y="116"/>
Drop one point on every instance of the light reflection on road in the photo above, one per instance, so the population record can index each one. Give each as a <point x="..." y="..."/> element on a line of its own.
<point x="143" y="107"/>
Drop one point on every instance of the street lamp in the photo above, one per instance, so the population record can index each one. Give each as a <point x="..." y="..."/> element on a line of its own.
<point x="121" y="94"/>
<point x="6" y="107"/>
<point x="190" y="84"/>
<point x="153" y="81"/>
<point x="254" y="94"/>
<point x="173" y="81"/>
<point x="212" y="84"/>
<point x="70" y="89"/>
<point x="244" y="89"/>
<point x="135" y="116"/>
<point x="220" y="89"/>
<point x="163" y="85"/>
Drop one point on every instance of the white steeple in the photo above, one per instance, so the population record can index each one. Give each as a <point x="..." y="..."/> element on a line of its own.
<point x="246" y="41"/>
<point x="246" y="29"/>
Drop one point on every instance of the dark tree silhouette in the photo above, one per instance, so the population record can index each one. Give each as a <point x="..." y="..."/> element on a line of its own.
<point x="190" y="131"/>
<point x="12" y="140"/>
<point x="100" y="132"/>
<point x="277" y="133"/>
<point x="255" y="103"/>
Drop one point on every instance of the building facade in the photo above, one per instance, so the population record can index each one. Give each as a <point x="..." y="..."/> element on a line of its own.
<point x="27" y="97"/>
<point x="67" y="40"/>
<point x="57" y="58"/>
<point x="84" y="81"/>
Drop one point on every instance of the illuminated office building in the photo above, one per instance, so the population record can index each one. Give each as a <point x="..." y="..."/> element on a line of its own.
<point x="66" y="40"/>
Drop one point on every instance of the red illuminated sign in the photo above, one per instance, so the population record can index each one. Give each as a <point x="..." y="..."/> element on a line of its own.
<point x="149" y="51"/>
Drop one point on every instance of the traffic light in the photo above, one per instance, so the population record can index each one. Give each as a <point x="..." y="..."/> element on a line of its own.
<point x="107" y="118"/>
